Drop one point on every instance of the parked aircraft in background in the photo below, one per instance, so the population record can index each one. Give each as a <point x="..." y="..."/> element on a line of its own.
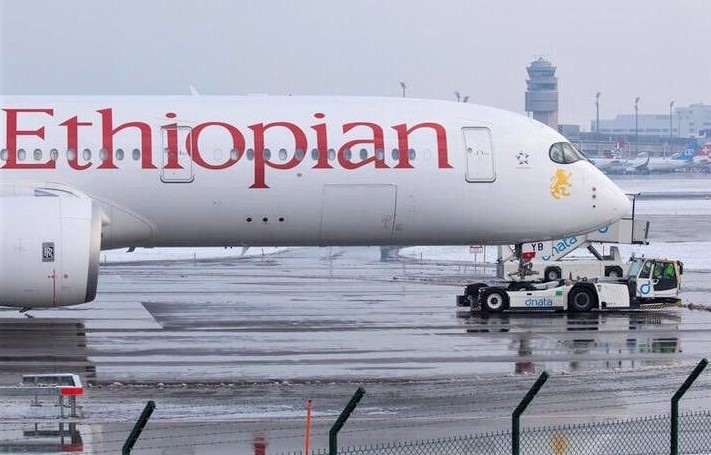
<point x="674" y="162"/>
<point x="702" y="160"/>
<point x="81" y="174"/>
<point x="611" y="163"/>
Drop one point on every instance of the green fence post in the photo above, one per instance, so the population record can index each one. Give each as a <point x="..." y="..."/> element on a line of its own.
<point x="675" y="404"/>
<point x="138" y="428"/>
<point x="350" y="407"/>
<point x="515" y="429"/>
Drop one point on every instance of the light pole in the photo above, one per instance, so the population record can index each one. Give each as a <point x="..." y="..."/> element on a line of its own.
<point x="597" y="123"/>
<point x="636" y="125"/>
<point x="671" y="131"/>
<point x="404" y="87"/>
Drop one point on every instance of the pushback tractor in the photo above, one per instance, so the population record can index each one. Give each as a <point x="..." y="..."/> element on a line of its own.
<point x="648" y="282"/>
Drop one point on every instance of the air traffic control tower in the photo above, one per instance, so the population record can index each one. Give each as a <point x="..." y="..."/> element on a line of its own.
<point x="542" y="93"/>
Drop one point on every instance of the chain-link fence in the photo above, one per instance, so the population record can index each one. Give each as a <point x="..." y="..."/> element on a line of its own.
<point x="639" y="436"/>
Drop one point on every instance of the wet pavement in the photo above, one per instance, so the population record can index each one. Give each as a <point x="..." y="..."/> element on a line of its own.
<point x="246" y="341"/>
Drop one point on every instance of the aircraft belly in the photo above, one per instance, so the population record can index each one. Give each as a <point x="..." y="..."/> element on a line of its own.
<point x="357" y="213"/>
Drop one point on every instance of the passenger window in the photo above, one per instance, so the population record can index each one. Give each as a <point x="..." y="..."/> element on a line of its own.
<point x="3" y="154"/>
<point x="250" y="154"/>
<point x="71" y="155"/>
<point x="119" y="154"/>
<point x="136" y="154"/>
<point x="38" y="154"/>
<point x="565" y="153"/>
<point x="396" y="154"/>
<point x="411" y="154"/>
<point x="103" y="154"/>
<point x="282" y="154"/>
<point x="331" y="154"/>
<point x="363" y="154"/>
<point x="86" y="154"/>
<point x="314" y="154"/>
<point x="266" y="154"/>
<point x="21" y="154"/>
<point x="380" y="155"/>
<point x="54" y="154"/>
<point x="347" y="154"/>
<point x="299" y="154"/>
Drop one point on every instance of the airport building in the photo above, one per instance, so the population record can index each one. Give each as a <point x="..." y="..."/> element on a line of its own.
<point x="629" y="134"/>
<point x="687" y="122"/>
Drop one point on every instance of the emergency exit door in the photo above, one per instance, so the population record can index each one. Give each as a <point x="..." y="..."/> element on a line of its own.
<point x="177" y="165"/>
<point x="480" y="156"/>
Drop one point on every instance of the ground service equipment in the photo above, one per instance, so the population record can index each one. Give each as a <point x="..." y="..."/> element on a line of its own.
<point x="648" y="281"/>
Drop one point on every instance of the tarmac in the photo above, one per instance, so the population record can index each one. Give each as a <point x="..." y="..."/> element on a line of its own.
<point x="230" y="349"/>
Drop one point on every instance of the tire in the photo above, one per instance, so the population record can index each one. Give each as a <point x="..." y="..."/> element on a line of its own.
<point x="494" y="300"/>
<point x="581" y="299"/>
<point x="472" y="292"/>
<point x="613" y="272"/>
<point x="552" y="274"/>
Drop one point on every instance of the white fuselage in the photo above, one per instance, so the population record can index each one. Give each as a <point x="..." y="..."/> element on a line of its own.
<point x="218" y="171"/>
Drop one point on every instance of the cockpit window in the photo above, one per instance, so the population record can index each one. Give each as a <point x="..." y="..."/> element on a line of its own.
<point x="565" y="153"/>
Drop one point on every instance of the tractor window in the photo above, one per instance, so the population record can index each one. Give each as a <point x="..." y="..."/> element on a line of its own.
<point x="658" y="271"/>
<point x="635" y="265"/>
<point x="646" y="270"/>
<point x="668" y="280"/>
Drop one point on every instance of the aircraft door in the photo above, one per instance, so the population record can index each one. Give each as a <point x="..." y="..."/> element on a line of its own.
<point x="480" y="156"/>
<point x="177" y="164"/>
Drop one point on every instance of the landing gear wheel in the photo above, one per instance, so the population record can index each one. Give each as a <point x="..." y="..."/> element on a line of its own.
<point x="581" y="300"/>
<point x="494" y="301"/>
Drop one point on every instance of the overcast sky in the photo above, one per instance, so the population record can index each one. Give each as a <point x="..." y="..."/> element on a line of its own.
<point x="657" y="50"/>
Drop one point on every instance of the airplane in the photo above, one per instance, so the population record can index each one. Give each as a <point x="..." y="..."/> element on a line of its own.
<point x="611" y="162"/>
<point x="670" y="164"/>
<point x="82" y="174"/>
<point x="702" y="160"/>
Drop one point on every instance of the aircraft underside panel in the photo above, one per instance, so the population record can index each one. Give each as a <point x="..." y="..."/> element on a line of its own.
<point x="353" y="214"/>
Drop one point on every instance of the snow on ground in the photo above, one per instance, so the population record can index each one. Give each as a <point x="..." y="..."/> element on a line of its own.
<point x="184" y="254"/>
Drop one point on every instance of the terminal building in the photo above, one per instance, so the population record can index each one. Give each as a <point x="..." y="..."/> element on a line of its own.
<point x="687" y="122"/>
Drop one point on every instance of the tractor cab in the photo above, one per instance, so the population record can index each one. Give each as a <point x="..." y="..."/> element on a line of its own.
<point x="654" y="278"/>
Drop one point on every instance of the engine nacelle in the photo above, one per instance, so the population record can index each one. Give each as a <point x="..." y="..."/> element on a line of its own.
<point x="50" y="244"/>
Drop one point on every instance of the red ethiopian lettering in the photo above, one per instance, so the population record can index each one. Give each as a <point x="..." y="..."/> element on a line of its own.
<point x="321" y="143"/>
<point x="261" y="163"/>
<point x="73" y="125"/>
<point x="403" y="133"/>
<point x="238" y="144"/>
<point x="12" y="133"/>
<point x="107" y="135"/>
<point x="377" y="141"/>
<point x="171" y="158"/>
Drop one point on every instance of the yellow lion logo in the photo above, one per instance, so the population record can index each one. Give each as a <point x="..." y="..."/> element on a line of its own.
<point x="560" y="184"/>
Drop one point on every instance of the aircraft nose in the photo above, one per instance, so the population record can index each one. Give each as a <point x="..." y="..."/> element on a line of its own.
<point x="612" y="200"/>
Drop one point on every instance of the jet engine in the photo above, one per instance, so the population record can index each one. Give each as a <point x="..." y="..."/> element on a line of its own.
<point x="50" y="243"/>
